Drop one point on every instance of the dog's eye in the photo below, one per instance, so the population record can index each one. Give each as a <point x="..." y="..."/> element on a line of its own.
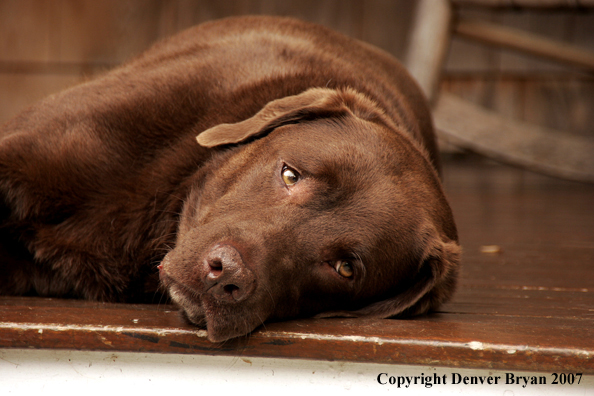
<point x="344" y="268"/>
<point x="290" y="176"/>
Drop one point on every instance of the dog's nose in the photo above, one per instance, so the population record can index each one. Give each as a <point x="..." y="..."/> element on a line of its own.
<point x="227" y="278"/>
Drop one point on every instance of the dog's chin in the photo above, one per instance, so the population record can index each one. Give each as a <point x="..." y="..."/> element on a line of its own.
<point x="193" y="318"/>
<point x="190" y="305"/>
<point x="224" y="322"/>
<point x="221" y="322"/>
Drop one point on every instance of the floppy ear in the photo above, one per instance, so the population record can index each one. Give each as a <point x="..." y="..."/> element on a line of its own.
<point x="310" y="104"/>
<point x="433" y="284"/>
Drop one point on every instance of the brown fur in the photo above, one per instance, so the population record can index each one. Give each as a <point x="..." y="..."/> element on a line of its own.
<point x="104" y="181"/>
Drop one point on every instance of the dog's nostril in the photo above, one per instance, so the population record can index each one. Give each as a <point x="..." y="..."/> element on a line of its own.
<point x="229" y="289"/>
<point x="216" y="267"/>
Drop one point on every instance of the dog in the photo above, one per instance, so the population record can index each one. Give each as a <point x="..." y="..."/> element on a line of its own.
<point x="256" y="168"/>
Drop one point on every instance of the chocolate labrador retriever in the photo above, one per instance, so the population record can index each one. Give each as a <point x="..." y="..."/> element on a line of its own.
<point x="263" y="168"/>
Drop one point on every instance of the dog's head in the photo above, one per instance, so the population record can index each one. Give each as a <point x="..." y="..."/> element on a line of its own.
<point x="321" y="206"/>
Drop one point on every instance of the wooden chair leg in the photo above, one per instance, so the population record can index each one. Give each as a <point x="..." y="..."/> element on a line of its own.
<point x="429" y="44"/>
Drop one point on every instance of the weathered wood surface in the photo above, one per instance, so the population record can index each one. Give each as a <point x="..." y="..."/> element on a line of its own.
<point x="49" y="46"/>
<point x="539" y="4"/>
<point x="528" y="307"/>
<point x="519" y="40"/>
<point x="540" y="149"/>
<point x="451" y="339"/>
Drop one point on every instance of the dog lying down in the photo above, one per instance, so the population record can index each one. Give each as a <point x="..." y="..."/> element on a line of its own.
<point x="258" y="168"/>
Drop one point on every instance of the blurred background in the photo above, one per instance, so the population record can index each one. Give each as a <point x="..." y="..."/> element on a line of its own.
<point x="46" y="46"/>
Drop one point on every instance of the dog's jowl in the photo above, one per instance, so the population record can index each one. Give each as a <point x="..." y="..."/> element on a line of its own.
<point x="256" y="168"/>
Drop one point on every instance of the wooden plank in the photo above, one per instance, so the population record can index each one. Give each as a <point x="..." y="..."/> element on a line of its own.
<point x="109" y="31"/>
<point x="483" y="341"/>
<point x="560" y="102"/>
<point x="385" y="24"/>
<point x="582" y="29"/>
<point x="26" y="30"/>
<point x="469" y="55"/>
<point x="540" y="149"/>
<point x="550" y="25"/>
<point x="542" y="4"/>
<point x="76" y="31"/>
<point x="559" y="105"/>
<point x="523" y="266"/>
<point x="523" y="302"/>
<point x="526" y="42"/>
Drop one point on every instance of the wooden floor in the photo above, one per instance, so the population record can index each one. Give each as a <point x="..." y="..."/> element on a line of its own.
<point x="525" y="301"/>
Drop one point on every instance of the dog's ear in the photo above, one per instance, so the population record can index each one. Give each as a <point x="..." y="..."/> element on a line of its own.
<point x="433" y="284"/>
<point x="311" y="104"/>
